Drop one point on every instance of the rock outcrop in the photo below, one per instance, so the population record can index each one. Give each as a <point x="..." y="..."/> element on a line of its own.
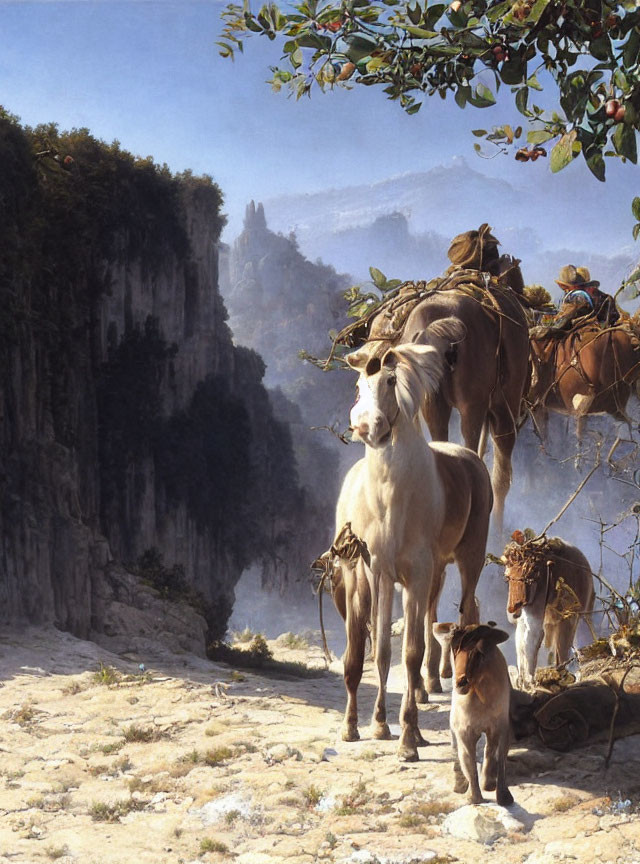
<point x="128" y="420"/>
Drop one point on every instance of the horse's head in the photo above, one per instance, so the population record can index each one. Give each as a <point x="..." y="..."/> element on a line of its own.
<point x="469" y="646"/>
<point x="542" y="368"/>
<point x="392" y="388"/>
<point x="526" y="567"/>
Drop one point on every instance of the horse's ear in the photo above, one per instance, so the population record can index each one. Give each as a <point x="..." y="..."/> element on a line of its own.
<point x="444" y="333"/>
<point x="358" y="359"/>
<point x="390" y="359"/>
<point x="491" y="636"/>
<point x="443" y="633"/>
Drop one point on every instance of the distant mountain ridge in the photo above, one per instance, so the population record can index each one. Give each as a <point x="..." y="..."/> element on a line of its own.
<point x="544" y="224"/>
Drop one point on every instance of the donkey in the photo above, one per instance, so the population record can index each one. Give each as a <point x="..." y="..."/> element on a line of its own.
<point x="550" y="587"/>
<point x="417" y="506"/>
<point x="479" y="704"/>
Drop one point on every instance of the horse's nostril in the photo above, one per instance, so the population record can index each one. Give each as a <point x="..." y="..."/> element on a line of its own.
<point x="363" y="428"/>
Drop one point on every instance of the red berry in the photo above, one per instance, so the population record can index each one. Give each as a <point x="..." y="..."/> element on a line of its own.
<point x="611" y="107"/>
<point x="619" y="115"/>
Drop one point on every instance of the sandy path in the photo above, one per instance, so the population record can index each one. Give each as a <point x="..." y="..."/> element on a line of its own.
<point x="193" y="762"/>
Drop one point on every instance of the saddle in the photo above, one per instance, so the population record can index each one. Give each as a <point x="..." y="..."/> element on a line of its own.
<point x="384" y="323"/>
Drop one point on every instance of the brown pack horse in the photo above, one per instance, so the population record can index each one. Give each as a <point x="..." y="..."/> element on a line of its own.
<point x="590" y="371"/>
<point x="487" y="373"/>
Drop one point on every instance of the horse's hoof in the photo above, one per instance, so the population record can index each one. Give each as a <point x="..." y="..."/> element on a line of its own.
<point x="461" y="786"/>
<point x="504" y="798"/>
<point x="434" y="685"/>
<point x="381" y="731"/>
<point x="422" y="697"/>
<point x="350" y="733"/>
<point x="408" y="754"/>
<point x="489" y="785"/>
<point x="476" y="799"/>
<point x="418" y="740"/>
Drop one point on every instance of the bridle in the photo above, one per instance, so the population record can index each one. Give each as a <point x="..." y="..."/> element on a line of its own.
<point x="531" y="579"/>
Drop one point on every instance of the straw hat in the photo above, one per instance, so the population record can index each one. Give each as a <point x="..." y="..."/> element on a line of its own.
<point x="571" y="277"/>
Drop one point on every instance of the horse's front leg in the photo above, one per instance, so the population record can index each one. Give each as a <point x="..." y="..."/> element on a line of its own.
<point x="356" y="631"/>
<point x="432" y="647"/>
<point x="415" y="602"/>
<point x="379" y="726"/>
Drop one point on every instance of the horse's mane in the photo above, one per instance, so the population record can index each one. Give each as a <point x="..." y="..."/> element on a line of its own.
<point x="420" y="366"/>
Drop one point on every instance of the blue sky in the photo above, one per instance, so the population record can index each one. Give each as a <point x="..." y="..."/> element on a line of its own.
<point x="148" y="73"/>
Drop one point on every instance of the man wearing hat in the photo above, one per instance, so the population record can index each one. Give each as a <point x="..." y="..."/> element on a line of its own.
<point x="583" y="297"/>
<point x="478" y="250"/>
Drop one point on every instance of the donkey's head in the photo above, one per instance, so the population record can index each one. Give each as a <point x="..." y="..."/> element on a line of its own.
<point x="526" y="568"/>
<point x="470" y="646"/>
<point x="394" y="386"/>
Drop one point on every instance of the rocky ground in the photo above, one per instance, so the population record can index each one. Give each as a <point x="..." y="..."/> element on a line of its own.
<point x="192" y="761"/>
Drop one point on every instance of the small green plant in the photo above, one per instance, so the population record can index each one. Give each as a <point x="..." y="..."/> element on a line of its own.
<point x="113" y="747"/>
<point x="217" y="755"/>
<point x="312" y="796"/>
<point x="231" y="816"/>
<point x="209" y="845"/>
<point x="237" y="677"/>
<point x="72" y="688"/>
<point x="367" y="756"/>
<point x="23" y="715"/>
<point x="433" y="807"/>
<point x="245" y="635"/>
<point x="354" y="800"/>
<point x="331" y="840"/>
<point x="101" y="812"/>
<point x="55" y="852"/>
<point x="106" y="675"/>
<point x="410" y="820"/>
<point x="259" y="649"/>
<point x="140" y="735"/>
<point x="293" y="641"/>
<point x="564" y="803"/>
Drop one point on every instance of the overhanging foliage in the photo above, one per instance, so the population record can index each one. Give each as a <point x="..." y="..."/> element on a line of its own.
<point x="586" y="52"/>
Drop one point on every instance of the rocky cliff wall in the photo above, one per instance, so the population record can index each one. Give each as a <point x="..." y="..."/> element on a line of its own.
<point x="128" y="418"/>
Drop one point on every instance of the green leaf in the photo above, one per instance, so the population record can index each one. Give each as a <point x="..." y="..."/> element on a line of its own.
<point x="514" y="70"/>
<point x="563" y="152"/>
<point x="532" y="81"/>
<point x="596" y="165"/>
<point x="499" y="10"/>
<point x="418" y="32"/>
<point x="413" y="109"/>
<point x="479" y="133"/>
<point x="296" y="58"/>
<point x="631" y="50"/>
<point x="359" y="46"/>
<point x="377" y="277"/>
<point x="635" y="208"/>
<point x="433" y="14"/>
<point x="636" y="231"/>
<point x="414" y="13"/>
<point x="539" y="136"/>
<point x="483" y="94"/>
<point x="522" y="97"/>
<point x="601" y="48"/>
<point x="624" y="140"/>
<point x="462" y="94"/>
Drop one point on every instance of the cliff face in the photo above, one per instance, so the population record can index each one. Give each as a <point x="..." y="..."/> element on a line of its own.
<point x="279" y="303"/>
<point x="128" y="419"/>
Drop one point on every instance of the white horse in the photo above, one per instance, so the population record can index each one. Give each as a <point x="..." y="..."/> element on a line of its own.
<point x="417" y="506"/>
